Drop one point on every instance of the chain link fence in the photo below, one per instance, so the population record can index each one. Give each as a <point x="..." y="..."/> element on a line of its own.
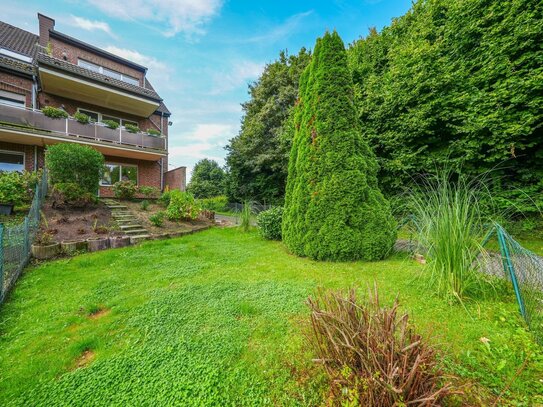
<point x="15" y="241"/>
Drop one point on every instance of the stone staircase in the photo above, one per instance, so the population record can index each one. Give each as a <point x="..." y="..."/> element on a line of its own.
<point x="126" y="220"/>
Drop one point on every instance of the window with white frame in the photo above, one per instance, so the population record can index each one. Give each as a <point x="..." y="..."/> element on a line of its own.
<point x="12" y="161"/>
<point x="119" y="172"/>
<point x="108" y="72"/>
<point x="12" y="99"/>
<point x="99" y="117"/>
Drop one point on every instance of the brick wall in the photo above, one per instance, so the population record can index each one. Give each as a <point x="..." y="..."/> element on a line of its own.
<point x="28" y="152"/>
<point x="148" y="173"/>
<point x="17" y="84"/>
<point x="176" y="178"/>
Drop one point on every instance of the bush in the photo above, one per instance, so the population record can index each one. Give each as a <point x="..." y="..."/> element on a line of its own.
<point x="164" y="199"/>
<point x="131" y="128"/>
<point x="158" y="219"/>
<point x="124" y="189"/>
<point x="70" y="194"/>
<point x="269" y="223"/>
<point x="112" y="124"/>
<point x="372" y="355"/>
<point x="215" y="204"/>
<point x="17" y="188"/>
<point x="54" y="113"/>
<point x="144" y="205"/>
<point x="75" y="163"/>
<point x="149" y="192"/>
<point x="82" y="118"/>
<point x="334" y="209"/>
<point x="153" y="132"/>
<point x="182" y="206"/>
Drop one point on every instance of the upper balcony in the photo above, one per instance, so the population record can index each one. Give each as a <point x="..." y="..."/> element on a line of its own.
<point x="71" y="81"/>
<point x="27" y="126"/>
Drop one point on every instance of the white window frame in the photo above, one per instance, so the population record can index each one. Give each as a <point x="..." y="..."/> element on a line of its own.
<point x="7" y="97"/>
<point x="101" y="117"/>
<point x="121" y="165"/>
<point x="101" y="69"/>
<point x="19" y="153"/>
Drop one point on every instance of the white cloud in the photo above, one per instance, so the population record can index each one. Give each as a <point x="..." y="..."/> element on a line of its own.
<point x="90" y="25"/>
<point x="210" y="132"/>
<point x="186" y="16"/>
<point x="242" y="72"/>
<point x="135" y="56"/>
<point x="281" y="31"/>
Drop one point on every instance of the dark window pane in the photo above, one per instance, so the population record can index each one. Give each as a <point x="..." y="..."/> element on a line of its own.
<point x="92" y="115"/>
<point x="113" y="119"/>
<point x="130" y="174"/>
<point x="111" y="174"/>
<point x="11" y="162"/>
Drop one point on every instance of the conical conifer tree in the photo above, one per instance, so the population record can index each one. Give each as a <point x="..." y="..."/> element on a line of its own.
<point x="334" y="209"/>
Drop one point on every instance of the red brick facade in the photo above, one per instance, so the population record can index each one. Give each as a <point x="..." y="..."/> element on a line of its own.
<point x="17" y="84"/>
<point x="31" y="153"/>
<point x="176" y="178"/>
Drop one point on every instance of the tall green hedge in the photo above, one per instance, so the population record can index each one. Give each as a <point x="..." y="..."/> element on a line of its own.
<point x="69" y="163"/>
<point x="334" y="209"/>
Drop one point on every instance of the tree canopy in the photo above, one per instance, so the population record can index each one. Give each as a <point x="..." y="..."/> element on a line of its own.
<point x="333" y="207"/>
<point x="258" y="156"/>
<point x="207" y="179"/>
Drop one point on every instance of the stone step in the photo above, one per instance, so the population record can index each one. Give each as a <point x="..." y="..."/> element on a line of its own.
<point x="123" y="215"/>
<point x="125" y="221"/>
<point x="133" y="226"/>
<point x="139" y="238"/>
<point x="135" y="231"/>
<point x="116" y="207"/>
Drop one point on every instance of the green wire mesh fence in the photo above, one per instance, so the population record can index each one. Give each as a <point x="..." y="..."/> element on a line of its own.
<point x="524" y="269"/>
<point x="15" y="241"/>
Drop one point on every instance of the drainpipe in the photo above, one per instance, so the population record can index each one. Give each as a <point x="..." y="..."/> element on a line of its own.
<point x="34" y="85"/>
<point x="35" y="158"/>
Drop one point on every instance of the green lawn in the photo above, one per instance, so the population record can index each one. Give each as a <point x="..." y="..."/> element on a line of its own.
<point x="218" y="318"/>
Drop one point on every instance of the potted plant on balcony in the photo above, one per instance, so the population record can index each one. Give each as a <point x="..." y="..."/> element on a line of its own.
<point x="131" y="128"/>
<point x="154" y="133"/>
<point x="82" y="118"/>
<point x="111" y="124"/>
<point x="54" y="112"/>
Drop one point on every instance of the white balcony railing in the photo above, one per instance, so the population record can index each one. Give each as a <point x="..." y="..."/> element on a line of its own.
<point x="35" y="120"/>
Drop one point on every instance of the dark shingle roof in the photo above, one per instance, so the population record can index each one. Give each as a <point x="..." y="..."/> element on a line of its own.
<point x="59" y="64"/>
<point x="16" y="39"/>
<point x="16" y="65"/>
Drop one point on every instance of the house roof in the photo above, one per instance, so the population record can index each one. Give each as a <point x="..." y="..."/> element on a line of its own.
<point x="17" y="40"/>
<point x="58" y="64"/>
<point x="162" y="108"/>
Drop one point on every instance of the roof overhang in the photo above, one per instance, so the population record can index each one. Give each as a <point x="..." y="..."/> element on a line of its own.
<point x="77" y="88"/>
<point x="16" y="136"/>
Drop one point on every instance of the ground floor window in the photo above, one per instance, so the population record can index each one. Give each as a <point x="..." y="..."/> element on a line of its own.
<point x="12" y="161"/>
<point x="119" y="172"/>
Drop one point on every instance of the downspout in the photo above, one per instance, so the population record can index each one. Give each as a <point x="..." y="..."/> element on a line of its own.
<point x="162" y="158"/>
<point x="35" y="158"/>
<point x="34" y="86"/>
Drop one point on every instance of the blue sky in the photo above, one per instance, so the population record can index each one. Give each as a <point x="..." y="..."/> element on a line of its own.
<point x="201" y="54"/>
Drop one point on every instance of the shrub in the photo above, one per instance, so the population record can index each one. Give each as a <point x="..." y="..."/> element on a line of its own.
<point x="182" y="206"/>
<point x="149" y="192"/>
<point x="158" y="219"/>
<point x="269" y="223"/>
<point x="82" y="118"/>
<point x="164" y="199"/>
<point x="334" y="209"/>
<point x="70" y="194"/>
<point x="124" y="189"/>
<point x="144" y="205"/>
<point x="131" y="128"/>
<point x="54" y="113"/>
<point x="112" y="124"/>
<point x="216" y="204"/>
<point x="371" y="354"/>
<point x="153" y="132"/>
<point x="75" y="163"/>
<point x="245" y="216"/>
<point x="17" y="188"/>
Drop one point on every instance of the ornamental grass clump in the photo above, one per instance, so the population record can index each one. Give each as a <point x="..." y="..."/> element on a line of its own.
<point x="451" y="215"/>
<point x="245" y="215"/>
<point x="371" y="354"/>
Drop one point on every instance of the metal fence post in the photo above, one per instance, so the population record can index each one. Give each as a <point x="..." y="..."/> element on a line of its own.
<point x="26" y="239"/>
<point x="508" y="266"/>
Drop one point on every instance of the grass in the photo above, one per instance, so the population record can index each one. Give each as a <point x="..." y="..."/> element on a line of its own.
<point x="218" y="318"/>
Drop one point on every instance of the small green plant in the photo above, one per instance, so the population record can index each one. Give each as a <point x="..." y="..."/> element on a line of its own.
<point x="158" y="219"/>
<point x="131" y="128"/>
<point x="70" y="194"/>
<point x="54" y="112"/>
<point x="82" y="118"/>
<point x="153" y="132"/>
<point x="182" y="206"/>
<point x="144" y="205"/>
<point x="17" y="188"/>
<point x="269" y="223"/>
<point x="149" y="192"/>
<point x="44" y="238"/>
<point x="164" y="199"/>
<point x="245" y="216"/>
<point x="112" y="124"/>
<point x="124" y="189"/>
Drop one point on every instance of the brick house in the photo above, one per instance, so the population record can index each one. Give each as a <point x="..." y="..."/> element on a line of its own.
<point x="54" y="69"/>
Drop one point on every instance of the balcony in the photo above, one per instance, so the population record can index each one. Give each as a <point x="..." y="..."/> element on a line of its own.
<point x="27" y="126"/>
